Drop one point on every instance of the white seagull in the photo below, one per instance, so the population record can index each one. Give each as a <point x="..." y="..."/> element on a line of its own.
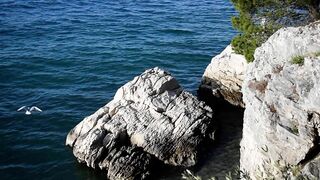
<point x="29" y="109"/>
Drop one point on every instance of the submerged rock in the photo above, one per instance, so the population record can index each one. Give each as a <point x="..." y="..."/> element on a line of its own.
<point x="281" y="121"/>
<point x="224" y="76"/>
<point x="150" y="118"/>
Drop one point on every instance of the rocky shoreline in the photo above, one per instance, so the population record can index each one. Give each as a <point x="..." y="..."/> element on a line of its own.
<point x="152" y="119"/>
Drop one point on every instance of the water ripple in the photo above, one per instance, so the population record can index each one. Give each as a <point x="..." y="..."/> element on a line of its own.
<point x="70" y="57"/>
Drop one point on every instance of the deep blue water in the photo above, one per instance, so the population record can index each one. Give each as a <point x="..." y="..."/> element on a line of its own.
<point x="70" y="57"/>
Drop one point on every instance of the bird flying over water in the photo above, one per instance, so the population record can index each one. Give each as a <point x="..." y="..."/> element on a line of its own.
<point x="29" y="109"/>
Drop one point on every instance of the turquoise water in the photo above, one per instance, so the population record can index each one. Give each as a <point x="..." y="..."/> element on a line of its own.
<point x="70" y="57"/>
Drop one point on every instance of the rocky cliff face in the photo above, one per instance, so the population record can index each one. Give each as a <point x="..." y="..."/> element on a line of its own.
<point x="281" y="121"/>
<point x="224" y="76"/>
<point x="150" y="119"/>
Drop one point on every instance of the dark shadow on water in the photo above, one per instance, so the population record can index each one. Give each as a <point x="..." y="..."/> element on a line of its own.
<point x="223" y="155"/>
<point x="82" y="171"/>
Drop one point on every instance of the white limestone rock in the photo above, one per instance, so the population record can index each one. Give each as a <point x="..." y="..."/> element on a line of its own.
<point x="150" y="118"/>
<point x="224" y="76"/>
<point x="281" y="121"/>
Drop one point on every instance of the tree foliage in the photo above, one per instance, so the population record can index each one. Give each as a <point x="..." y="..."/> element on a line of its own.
<point x="253" y="34"/>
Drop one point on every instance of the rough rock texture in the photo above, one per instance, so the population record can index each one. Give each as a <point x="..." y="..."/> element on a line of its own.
<point x="150" y="118"/>
<point x="224" y="76"/>
<point x="281" y="120"/>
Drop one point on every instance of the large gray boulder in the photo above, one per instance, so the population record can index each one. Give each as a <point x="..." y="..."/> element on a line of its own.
<point x="223" y="77"/>
<point x="281" y="121"/>
<point x="150" y="119"/>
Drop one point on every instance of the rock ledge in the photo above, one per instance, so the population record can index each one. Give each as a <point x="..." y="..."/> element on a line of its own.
<point x="224" y="76"/>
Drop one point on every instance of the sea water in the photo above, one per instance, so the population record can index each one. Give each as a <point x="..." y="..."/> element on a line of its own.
<point x="69" y="58"/>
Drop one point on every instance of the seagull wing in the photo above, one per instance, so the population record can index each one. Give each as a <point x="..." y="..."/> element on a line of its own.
<point x="35" y="108"/>
<point x="23" y="107"/>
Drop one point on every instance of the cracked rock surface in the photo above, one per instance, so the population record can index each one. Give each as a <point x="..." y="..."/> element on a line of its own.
<point x="224" y="76"/>
<point x="281" y="121"/>
<point x="150" y="119"/>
